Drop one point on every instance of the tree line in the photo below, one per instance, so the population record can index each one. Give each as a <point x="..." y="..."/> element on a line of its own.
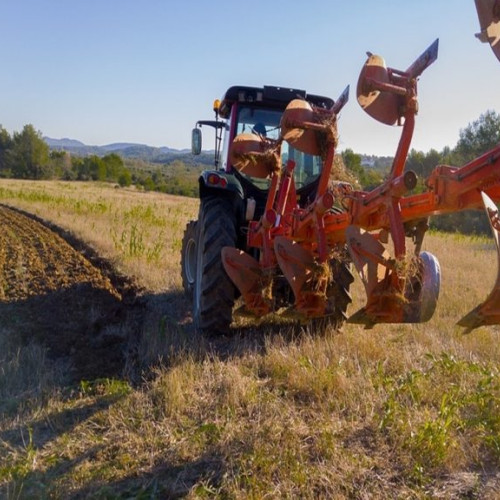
<point x="25" y="155"/>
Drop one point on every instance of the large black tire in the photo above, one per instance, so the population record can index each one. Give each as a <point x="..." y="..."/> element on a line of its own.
<point x="214" y="292"/>
<point x="188" y="257"/>
<point x="338" y="295"/>
<point x="338" y="291"/>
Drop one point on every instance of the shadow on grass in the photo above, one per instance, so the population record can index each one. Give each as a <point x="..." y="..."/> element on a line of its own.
<point x="200" y="477"/>
<point x="166" y="481"/>
<point x="21" y="442"/>
<point x="168" y="334"/>
<point x="93" y="333"/>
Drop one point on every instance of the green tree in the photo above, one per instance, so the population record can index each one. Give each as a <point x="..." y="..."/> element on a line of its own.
<point x="125" y="178"/>
<point x="29" y="156"/>
<point x="114" y="166"/>
<point x="352" y="161"/>
<point x="95" y="168"/>
<point x="61" y="164"/>
<point x="479" y="136"/>
<point x="368" y="178"/>
<point x="5" y="146"/>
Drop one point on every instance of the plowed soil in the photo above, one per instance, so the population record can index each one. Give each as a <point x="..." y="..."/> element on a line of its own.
<point x="56" y="291"/>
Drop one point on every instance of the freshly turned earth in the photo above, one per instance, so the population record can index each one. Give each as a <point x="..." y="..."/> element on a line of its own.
<point x="50" y="292"/>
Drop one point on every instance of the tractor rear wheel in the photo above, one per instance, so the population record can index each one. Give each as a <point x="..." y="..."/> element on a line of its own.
<point x="188" y="257"/>
<point x="214" y="292"/>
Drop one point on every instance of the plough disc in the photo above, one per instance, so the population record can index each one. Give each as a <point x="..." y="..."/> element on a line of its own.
<point x="383" y="106"/>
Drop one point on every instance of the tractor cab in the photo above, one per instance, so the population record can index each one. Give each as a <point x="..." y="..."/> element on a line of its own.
<point x="253" y="115"/>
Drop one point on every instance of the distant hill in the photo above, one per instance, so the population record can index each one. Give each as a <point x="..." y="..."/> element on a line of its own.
<point x="126" y="150"/>
<point x="165" y="154"/>
<point x="63" y="143"/>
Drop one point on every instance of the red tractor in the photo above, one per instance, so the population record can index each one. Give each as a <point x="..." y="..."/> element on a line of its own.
<point x="236" y="196"/>
<point x="275" y="229"/>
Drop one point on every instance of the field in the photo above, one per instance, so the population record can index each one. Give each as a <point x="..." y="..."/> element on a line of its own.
<point x="107" y="392"/>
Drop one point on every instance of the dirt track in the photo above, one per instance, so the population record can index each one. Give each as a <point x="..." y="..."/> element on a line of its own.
<point x="50" y="292"/>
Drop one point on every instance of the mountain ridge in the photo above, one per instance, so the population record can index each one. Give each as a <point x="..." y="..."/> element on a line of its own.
<point x="125" y="149"/>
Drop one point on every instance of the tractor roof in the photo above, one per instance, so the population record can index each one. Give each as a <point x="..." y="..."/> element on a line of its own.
<point x="268" y="96"/>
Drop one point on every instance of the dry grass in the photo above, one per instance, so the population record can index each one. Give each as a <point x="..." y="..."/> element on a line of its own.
<point x="400" y="411"/>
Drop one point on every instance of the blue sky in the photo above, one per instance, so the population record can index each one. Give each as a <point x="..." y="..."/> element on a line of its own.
<point x="127" y="71"/>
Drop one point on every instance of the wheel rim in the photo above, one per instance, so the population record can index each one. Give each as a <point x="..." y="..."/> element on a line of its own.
<point x="198" y="274"/>
<point x="190" y="263"/>
<point x="431" y="282"/>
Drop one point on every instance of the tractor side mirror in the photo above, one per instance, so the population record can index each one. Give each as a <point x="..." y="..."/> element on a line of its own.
<point x="196" y="141"/>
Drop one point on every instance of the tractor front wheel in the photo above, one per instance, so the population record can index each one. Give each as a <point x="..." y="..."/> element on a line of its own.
<point x="214" y="292"/>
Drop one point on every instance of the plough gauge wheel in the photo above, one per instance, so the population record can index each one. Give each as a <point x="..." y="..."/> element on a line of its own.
<point x="414" y="301"/>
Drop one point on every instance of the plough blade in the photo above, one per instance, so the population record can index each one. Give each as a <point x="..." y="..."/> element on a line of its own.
<point x="307" y="278"/>
<point x="246" y="273"/>
<point x="392" y="296"/>
<point x="367" y="255"/>
<point x="371" y="261"/>
<point x="488" y="312"/>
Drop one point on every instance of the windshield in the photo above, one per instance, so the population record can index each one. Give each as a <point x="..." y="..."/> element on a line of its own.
<point x="266" y="122"/>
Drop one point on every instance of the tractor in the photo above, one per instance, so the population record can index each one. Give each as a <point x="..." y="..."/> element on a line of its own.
<point x="278" y="232"/>
<point x="236" y="195"/>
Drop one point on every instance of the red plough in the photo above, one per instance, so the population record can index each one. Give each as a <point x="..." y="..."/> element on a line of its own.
<point x="275" y="228"/>
<point x="298" y="243"/>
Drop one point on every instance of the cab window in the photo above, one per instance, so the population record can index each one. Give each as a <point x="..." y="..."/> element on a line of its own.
<point x="266" y="122"/>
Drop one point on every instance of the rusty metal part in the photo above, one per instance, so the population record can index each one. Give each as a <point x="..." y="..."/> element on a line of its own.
<point x="298" y="112"/>
<point x="488" y="312"/>
<point x="381" y="105"/>
<point x="386" y="94"/>
<point x="246" y="273"/>
<point x="397" y="292"/>
<point x="488" y="12"/>
<point x="306" y="277"/>
<point x="255" y="155"/>
<point x="368" y="256"/>
<point x="308" y="129"/>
